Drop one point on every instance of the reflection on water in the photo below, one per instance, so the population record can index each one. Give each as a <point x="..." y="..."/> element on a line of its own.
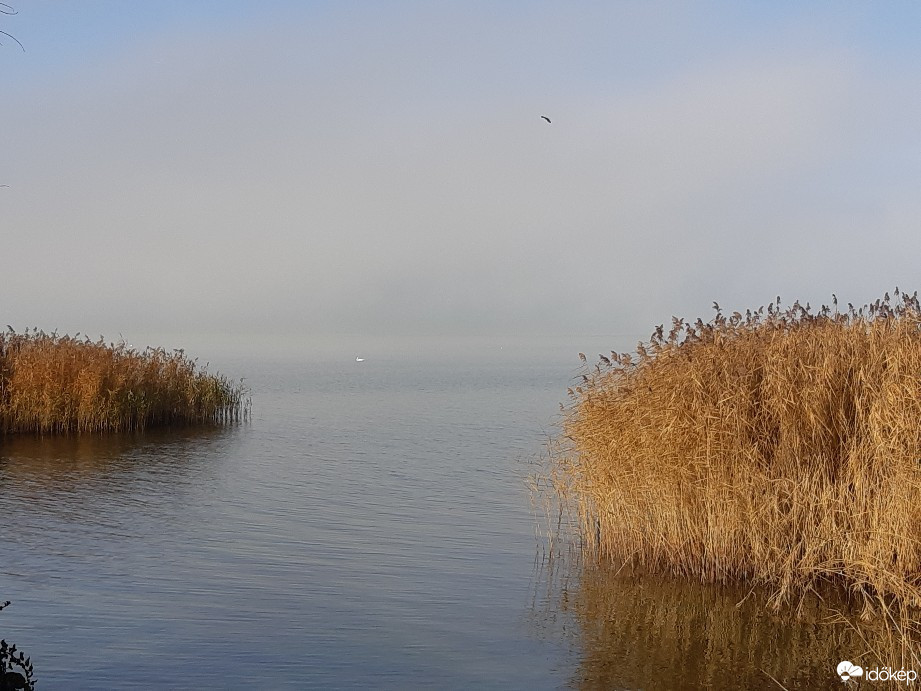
<point x="92" y="450"/>
<point x="644" y="631"/>
<point x="50" y="464"/>
<point x="93" y="487"/>
<point x="368" y="527"/>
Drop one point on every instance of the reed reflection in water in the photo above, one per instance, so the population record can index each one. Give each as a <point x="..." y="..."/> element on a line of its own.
<point x="642" y="631"/>
<point x="96" y="487"/>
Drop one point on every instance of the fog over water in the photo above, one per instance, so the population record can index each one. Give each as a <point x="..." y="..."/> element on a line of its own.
<point x="282" y="187"/>
<point x="285" y="170"/>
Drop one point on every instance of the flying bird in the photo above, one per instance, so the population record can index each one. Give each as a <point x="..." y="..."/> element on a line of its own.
<point x="545" y="118"/>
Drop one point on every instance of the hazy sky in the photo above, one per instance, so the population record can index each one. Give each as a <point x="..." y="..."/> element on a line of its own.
<point x="380" y="168"/>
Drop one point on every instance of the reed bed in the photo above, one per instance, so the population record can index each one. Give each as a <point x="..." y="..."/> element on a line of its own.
<point x="780" y="447"/>
<point x="63" y="384"/>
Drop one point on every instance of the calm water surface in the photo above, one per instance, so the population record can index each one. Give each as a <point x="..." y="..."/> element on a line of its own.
<point x="368" y="527"/>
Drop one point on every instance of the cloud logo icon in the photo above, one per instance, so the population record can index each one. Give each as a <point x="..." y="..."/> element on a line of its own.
<point x="846" y="670"/>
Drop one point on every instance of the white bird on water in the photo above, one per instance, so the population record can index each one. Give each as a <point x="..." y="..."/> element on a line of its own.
<point x="359" y="359"/>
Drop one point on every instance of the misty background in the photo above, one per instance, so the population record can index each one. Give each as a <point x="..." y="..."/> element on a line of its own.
<point x="287" y="171"/>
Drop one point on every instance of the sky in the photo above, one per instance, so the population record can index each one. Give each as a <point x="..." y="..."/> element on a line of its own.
<point x="381" y="169"/>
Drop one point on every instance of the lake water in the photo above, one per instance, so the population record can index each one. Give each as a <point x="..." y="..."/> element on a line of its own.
<point x="369" y="526"/>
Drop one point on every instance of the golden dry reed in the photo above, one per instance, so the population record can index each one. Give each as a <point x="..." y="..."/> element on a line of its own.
<point x="782" y="447"/>
<point x="63" y="384"/>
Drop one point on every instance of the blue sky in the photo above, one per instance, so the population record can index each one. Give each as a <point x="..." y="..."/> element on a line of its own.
<point x="381" y="169"/>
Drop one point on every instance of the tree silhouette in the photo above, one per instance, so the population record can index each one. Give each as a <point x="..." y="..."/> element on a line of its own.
<point x="10" y="678"/>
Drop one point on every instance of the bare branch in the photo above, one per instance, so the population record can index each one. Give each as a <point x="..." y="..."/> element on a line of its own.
<point x="14" y="38"/>
<point x="9" y="10"/>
